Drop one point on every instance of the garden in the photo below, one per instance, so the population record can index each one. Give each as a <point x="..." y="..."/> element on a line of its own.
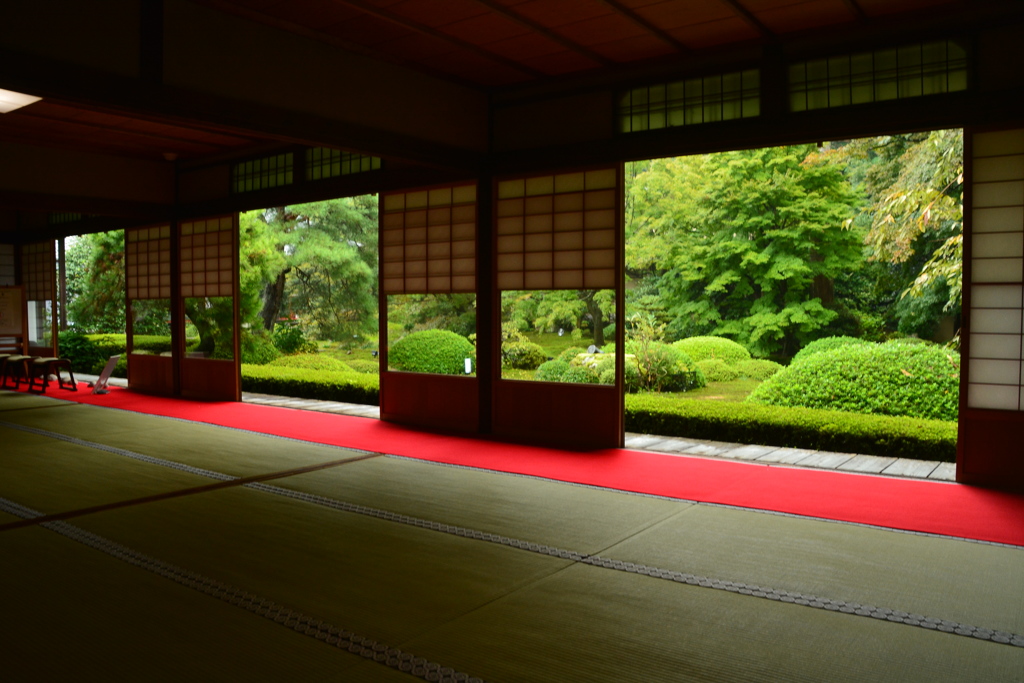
<point x="797" y="296"/>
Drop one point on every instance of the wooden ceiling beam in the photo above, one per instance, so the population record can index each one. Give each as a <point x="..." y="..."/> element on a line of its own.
<point x="645" y="25"/>
<point x="422" y="29"/>
<point x="535" y="27"/>
<point x="857" y="10"/>
<point x="749" y="17"/>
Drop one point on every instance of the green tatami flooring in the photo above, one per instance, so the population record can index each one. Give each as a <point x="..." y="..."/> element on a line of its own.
<point x="388" y="569"/>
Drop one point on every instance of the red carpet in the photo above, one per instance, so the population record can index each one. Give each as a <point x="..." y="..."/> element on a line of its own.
<point x="931" y="507"/>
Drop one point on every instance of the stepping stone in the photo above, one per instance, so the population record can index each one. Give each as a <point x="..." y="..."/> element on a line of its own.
<point x="707" y="449"/>
<point x="866" y="463"/>
<point x="905" y="467"/>
<point x="946" y="471"/>
<point x="672" y="445"/>
<point x="642" y="441"/>
<point x="786" y="456"/>
<point x="825" y="460"/>
<point x="751" y="452"/>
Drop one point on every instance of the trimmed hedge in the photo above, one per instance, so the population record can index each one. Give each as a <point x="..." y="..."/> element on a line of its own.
<point x="348" y="386"/>
<point x="911" y="380"/>
<point x="436" y="351"/>
<point x="826" y="344"/>
<point x="311" y="361"/>
<point x="717" y="370"/>
<point x="758" y="368"/>
<point x="707" y="348"/>
<point x="898" y="437"/>
<point x="522" y="355"/>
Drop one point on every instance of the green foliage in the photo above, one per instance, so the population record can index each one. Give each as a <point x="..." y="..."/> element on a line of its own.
<point x="659" y="366"/>
<point x="706" y="348"/>
<point x="569" y="355"/>
<point x="292" y="339"/>
<point x="522" y="355"/>
<point x="826" y="344"/>
<point x="551" y="371"/>
<point x="80" y="350"/>
<point x="369" y="367"/>
<point x="920" y="313"/>
<point x="436" y="351"/>
<point x="578" y="374"/>
<point x="913" y="380"/>
<point x="415" y="312"/>
<point x="754" y="239"/>
<point x="312" y="361"/>
<point x="758" y="368"/>
<point x="96" y="283"/>
<point x="717" y="370"/>
<point x="257" y="347"/>
<point x="324" y="385"/>
<point x="825" y="430"/>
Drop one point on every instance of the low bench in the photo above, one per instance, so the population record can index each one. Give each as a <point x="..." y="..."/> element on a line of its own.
<point x="42" y="368"/>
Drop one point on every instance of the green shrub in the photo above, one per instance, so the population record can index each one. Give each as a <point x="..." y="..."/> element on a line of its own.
<point x="291" y="339"/>
<point x="551" y="371"/>
<point x="578" y="374"/>
<point x="348" y="386"/>
<point x="436" y="351"/>
<point x="151" y="343"/>
<point x="522" y="355"/>
<point x="258" y="348"/>
<point x="663" y="367"/>
<point x="312" y="361"/>
<point x="758" y="368"/>
<point x="80" y="350"/>
<point x="569" y="355"/>
<point x="369" y="367"/>
<point x="826" y="430"/>
<point x="717" y="370"/>
<point x="913" y="380"/>
<point x="708" y="348"/>
<point x="826" y="344"/>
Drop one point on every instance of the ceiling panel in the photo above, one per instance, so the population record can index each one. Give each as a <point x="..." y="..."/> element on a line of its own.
<point x="801" y="16"/>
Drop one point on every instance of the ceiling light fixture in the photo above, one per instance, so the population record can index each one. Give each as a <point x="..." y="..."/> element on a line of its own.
<point x="10" y="100"/>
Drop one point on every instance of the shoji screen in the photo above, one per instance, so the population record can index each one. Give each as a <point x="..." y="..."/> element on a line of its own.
<point x="39" y="275"/>
<point x="428" y="246"/>
<point x="993" y="419"/>
<point x="560" y="231"/>
<point x="148" y="266"/>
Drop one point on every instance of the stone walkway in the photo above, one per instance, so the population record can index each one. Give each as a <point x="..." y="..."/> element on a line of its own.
<point x="768" y="455"/>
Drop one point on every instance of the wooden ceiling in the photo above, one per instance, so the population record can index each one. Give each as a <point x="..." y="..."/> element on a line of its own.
<point x="501" y="43"/>
<point x="495" y="45"/>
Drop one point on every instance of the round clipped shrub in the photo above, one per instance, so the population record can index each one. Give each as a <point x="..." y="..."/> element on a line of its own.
<point x="569" y="355"/>
<point x="291" y="339"/>
<point x="826" y="344"/>
<point x="437" y="351"/>
<point x="717" y="370"/>
<point x="707" y="348"/>
<point x="367" y="367"/>
<point x="758" y="368"/>
<point x="258" y="348"/>
<point x="551" y="371"/>
<point x="913" y="380"/>
<point x="522" y="355"/>
<point x="577" y="374"/>
<point x="312" y="361"/>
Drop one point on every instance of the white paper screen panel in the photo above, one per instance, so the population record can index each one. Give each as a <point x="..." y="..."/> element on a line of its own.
<point x="38" y="270"/>
<point x="207" y="257"/>
<point x="558" y="231"/>
<point x="995" y="368"/>
<point x="428" y="241"/>
<point x="148" y="262"/>
<point x="7" y="271"/>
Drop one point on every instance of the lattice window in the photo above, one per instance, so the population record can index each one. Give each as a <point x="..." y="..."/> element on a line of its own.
<point x="892" y="74"/>
<point x="996" y="342"/>
<point x="324" y="162"/>
<point x="148" y="262"/>
<point x="428" y="241"/>
<point x="7" y="270"/>
<point x="558" y="231"/>
<point x="262" y="174"/>
<point x="719" y="97"/>
<point x="58" y="218"/>
<point x="207" y="257"/>
<point x="38" y="270"/>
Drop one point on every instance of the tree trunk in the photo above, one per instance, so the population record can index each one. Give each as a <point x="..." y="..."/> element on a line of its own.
<point x="273" y="298"/>
<point x="596" y="316"/>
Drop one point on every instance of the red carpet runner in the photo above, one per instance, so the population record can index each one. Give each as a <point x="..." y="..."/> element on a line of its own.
<point x="931" y="507"/>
